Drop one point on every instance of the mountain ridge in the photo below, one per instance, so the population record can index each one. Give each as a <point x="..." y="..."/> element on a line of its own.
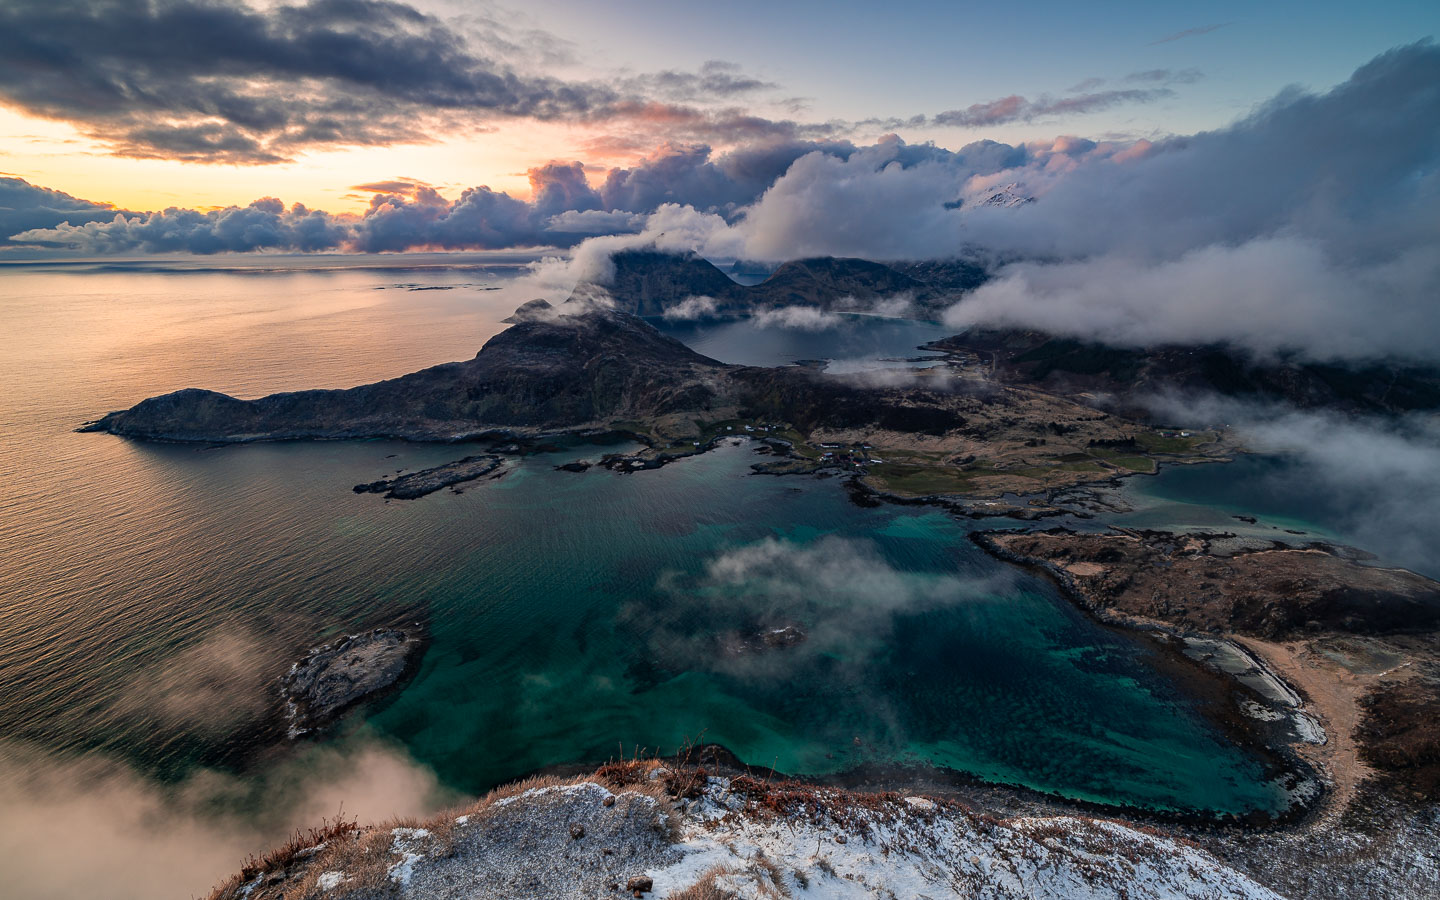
<point x="654" y="283"/>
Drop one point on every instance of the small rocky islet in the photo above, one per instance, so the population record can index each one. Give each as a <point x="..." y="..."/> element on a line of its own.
<point x="334" y="677"/>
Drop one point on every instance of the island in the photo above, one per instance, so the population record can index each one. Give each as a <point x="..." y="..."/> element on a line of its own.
<point x="334" y="677"/>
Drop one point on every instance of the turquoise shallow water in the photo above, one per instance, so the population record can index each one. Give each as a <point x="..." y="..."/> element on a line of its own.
<point x="149" y="594"/>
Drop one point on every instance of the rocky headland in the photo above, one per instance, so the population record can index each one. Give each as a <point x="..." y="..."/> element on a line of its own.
<point x="1338" y="659"/>
<point x="586" y="368"/>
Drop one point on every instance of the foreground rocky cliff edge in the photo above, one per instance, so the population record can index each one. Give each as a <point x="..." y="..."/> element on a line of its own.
<point x="644" y="829"/>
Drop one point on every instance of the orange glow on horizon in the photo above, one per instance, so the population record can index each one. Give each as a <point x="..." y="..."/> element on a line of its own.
<point x="55" y="155"/>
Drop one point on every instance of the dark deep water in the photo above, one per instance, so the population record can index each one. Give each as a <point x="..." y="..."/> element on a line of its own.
<point x="148" y="593"/>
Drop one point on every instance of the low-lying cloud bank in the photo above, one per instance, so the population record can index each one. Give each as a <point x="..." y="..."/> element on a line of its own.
<point x="1374" y="478"/>
<point x="1270" y="295"/>
<point x="94" y="827"/>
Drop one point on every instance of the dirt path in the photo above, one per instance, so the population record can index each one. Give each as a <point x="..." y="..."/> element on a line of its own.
<point x="1332" y="693"/>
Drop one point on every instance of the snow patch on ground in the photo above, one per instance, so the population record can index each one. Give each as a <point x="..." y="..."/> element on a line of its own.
<point x="917" y="848"/>
<point x="748" y="840"/>
<point x="406" y="842"/>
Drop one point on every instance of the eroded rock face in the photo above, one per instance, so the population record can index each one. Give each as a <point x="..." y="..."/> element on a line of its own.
<point x="334" y="677"/>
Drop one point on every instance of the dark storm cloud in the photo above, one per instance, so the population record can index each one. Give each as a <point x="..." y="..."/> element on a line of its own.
<point x="481" y="218"/>
<point x="690" y="174"/>
<point x="637" y="123"/>
<point x="24" y="206"/>
<point x="223" y="81"/>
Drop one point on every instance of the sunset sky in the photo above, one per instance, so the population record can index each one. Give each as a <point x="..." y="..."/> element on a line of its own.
<point x="843" y="71"/>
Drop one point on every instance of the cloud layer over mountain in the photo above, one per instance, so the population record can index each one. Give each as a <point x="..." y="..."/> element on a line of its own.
<point x="1309" y="225"/>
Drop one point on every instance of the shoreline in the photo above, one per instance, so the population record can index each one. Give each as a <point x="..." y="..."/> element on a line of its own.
<point x="1247" y="734"/>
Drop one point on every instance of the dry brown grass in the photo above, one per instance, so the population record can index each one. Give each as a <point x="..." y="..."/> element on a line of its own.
<point x="365" y="859"/>
<point x="772" y="871"/>
<point x="705" y="888"/>
<point x="290" y="858"/>
<point x="1400" y="734"/>
<point x="766" y="877"/>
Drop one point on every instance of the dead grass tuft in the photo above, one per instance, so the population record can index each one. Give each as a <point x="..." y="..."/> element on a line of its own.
<point x="300" y="842"/>
<point x="705" y="888"/>
<point x="293" y="859"/>
<point x="364" y="859"/>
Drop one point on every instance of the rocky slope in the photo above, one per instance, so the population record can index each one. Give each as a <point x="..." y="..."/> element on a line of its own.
<point x="644" y="830"/>
<point x="556" y="371"/>
<point x="1070" y="366"/>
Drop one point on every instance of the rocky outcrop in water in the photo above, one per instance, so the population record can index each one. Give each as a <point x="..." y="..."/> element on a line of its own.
<point x="742" y="643"/>
<point x="334" y="677"/>
<point x="428" y="481"/>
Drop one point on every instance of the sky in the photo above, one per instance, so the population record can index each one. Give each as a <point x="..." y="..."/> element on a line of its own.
<point x="1266" y="177"/>
<point x="868" y="69"/>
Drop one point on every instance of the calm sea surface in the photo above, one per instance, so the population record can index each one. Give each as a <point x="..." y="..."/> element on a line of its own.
<point x="149" y="594"/>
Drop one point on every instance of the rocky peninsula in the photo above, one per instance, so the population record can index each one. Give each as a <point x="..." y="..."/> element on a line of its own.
<point x="584" y="368"/>
<point x="1341" y="656"/>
